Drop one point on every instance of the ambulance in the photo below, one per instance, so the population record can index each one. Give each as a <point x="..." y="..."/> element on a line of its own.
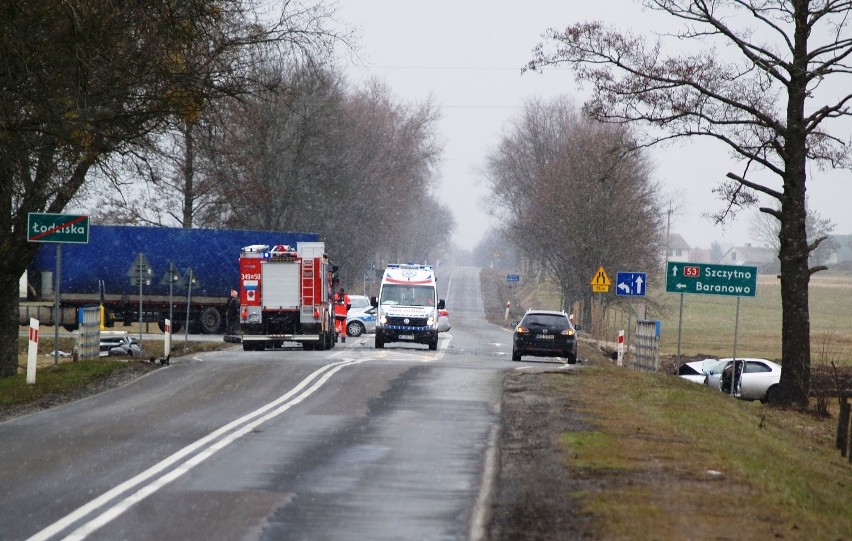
<point x="407" y="306"/>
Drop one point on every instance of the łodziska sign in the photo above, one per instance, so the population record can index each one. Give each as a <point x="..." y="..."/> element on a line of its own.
<point x="63" y="228"/>
<point x="709" y="279"/>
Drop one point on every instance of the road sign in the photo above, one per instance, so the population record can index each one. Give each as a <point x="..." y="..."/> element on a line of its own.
<point x="513" y="277"/>
<point x="189" y="278"/>
<point x="140" y="270"/>
<point x="711" y="279"/>
<point x="600" y="281"/>
<point x="67" y="228"/>
<point x="631" y="284"/>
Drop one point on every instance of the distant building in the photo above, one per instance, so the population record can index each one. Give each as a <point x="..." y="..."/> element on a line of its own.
<point x="678" y="249"/>
<point x="765" y="259"/>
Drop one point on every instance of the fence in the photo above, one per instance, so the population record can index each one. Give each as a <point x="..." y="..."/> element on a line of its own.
<point x="844" y="438"/>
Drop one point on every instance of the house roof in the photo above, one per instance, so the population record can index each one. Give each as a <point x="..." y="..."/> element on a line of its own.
<point x="676" y="242"/>
<point x="753" y="254"/>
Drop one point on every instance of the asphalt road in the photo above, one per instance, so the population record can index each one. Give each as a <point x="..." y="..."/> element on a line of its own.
<point x="351" y="443"/>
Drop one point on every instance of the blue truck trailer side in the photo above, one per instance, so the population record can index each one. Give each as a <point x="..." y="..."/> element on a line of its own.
<point x="98" y="273"/>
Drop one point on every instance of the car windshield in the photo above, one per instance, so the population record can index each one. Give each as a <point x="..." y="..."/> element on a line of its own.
<point x="359" y="302"/>
<point x="408" y="295"/>
<point x="551" y="321"/>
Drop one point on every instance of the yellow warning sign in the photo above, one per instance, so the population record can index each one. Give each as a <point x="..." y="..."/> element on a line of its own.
<point x="601" y="279"/>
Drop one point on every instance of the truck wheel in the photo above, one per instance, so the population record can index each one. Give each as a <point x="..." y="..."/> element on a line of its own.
<point x="210" y="320"/>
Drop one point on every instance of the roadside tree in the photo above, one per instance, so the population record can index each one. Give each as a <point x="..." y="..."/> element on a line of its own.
<point x="84" y="81"/>
<point x="772" y="104"/>
<point x="572" y="198"/>
<point x="355" y="166"/>
<point x="765" y="228"/>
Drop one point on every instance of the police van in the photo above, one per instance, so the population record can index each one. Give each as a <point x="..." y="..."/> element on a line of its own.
<point x="407" y="306"/>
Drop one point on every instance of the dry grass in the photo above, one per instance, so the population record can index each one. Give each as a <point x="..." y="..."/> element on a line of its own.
<point x="679" y="460"/>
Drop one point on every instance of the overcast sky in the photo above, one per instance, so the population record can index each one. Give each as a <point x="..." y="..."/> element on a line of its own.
<point x="467" y="56"/>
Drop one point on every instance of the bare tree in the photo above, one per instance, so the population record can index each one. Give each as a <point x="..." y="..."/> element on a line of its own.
<point x="766" y="228"/>
<point x="571" y="197"/>
<point x="769" y="105"/>
<point x="716" y="252"/>
<point x="82" y="81"/>
<point x="181" y="160"/>
<point x="353" y="166"/>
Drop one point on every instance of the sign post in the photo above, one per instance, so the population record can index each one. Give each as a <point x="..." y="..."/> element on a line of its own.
<point x="57" y="228"/>
<point x="188" y="281"/>
<point x="32" y="352"/>
<point x="140" y="274"/>
<point x="600" y="284"/>
<point x="711" y="279"/>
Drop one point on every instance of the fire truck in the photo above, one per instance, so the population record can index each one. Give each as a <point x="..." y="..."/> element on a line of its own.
<point x="285" y="296"/>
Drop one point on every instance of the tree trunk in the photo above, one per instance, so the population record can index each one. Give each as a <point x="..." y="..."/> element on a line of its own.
<point x="793" y="253"/>
<point x="188" y="176"/>
<point x="795" y="326"/>
<point x="9" y="324"/>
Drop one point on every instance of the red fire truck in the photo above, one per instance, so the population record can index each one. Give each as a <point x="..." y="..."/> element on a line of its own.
<point x="285" y="296"/>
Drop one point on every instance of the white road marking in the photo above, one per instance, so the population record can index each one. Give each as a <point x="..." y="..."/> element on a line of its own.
<point x="204" y="447"/>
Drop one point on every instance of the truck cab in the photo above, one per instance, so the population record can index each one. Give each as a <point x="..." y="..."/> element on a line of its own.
<point x="407" y="306"/>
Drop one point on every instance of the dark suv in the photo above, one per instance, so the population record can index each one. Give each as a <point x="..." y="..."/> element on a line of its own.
<point x="546" y="333"/>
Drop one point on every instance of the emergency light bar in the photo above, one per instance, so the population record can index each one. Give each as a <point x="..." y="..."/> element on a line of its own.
<point x="409" y="266"/>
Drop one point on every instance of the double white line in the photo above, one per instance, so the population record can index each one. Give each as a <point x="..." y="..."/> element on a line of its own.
<point x="156" y="477"/>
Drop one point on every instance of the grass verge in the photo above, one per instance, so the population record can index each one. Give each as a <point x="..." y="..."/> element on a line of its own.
<point x="685" y="462"/>
<point x="70" y="378"/>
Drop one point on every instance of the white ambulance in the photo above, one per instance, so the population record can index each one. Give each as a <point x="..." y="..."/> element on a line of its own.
<point x="407" y="306"/>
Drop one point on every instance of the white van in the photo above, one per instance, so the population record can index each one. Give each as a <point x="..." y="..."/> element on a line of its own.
<point x="407" y="306"/>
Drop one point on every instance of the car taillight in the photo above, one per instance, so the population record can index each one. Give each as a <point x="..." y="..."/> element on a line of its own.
<point x="568" y="332"/>
<point x="522" y="330"/>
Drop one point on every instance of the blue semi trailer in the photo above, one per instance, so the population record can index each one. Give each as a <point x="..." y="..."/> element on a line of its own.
<point x="104" y="271"/>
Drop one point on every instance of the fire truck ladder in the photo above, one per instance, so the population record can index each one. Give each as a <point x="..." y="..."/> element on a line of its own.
<point x="308" y="284"/>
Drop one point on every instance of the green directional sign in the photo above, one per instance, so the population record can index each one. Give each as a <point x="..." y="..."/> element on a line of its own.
<point x="711" y="279"/>
<point x="46" y="227"/>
